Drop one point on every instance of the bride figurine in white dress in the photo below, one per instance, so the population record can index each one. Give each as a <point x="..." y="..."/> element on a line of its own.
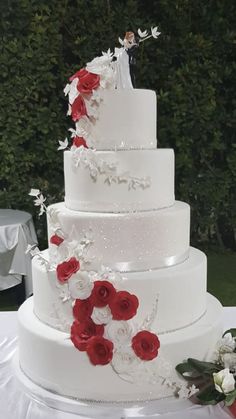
<point x="125" y="61"/>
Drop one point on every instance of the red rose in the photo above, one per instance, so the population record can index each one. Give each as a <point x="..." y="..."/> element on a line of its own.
<point x="57" y="240"/>
<point x="232" y="409"/>
<point x="102" y="293"/>
<point x="79" y="141"/>
<point x="88" y="83"/>
<point x="145" y="344"/>
<point x="124" y="305"/>
<point x="78" y="108"/>
<point x="67" y="268"/>
<point x="82" y="309"/>
<point x="81" y="333"/>
<point x="99" y="350"/>
<point x="79" y="74"/>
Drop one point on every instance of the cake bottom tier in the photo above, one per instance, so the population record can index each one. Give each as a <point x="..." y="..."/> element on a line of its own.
<point x="48" y="358"/>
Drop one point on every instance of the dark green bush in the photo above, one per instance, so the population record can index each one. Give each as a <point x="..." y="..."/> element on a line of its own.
<point x="192" y="67"/>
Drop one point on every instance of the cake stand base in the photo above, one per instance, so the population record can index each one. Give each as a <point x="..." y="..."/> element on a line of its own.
<point x="96" y="410"/>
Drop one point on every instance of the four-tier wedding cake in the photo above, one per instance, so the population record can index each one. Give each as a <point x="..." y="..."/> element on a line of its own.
<point x="120" y="296"/>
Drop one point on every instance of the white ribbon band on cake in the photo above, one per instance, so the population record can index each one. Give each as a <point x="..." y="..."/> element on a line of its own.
<point x="161" y="262"/>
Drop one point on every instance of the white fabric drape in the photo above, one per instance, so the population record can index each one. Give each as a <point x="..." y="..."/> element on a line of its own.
<point x="16" y="232"/>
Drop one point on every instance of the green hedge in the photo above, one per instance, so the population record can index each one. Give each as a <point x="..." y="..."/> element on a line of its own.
<point x="192" y="67"/>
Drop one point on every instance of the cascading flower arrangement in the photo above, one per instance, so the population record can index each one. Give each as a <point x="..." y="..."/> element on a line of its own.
<point x="111" y="70"/>
<point x="216" y="381"/>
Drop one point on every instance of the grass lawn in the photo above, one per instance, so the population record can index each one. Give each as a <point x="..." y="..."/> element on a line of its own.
<point x="221" y="282"/>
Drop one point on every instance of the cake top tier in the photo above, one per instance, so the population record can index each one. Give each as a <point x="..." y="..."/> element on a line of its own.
<point x="108" y="112"/>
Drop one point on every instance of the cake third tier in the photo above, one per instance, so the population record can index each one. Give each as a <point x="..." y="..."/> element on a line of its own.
<point x="128" y="241"/>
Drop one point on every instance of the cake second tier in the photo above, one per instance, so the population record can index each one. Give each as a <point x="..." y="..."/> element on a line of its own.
<point x="119" y="181"/>
<point x="128" y="241"/>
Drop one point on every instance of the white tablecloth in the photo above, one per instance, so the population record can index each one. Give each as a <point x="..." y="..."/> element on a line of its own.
<point x="15" y="404"/>
<point x="16" y="232"/>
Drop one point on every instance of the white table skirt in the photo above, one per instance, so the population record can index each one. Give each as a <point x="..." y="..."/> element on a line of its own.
<point x="16" y="232"/>
<point x="15" y="403"/>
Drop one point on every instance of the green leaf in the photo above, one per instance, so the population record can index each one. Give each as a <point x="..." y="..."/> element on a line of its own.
<point x="230" y="398"/>
<point x="209" y="395"/>
<point x="203" y="366"/>
<point x="187" y="371"/>
<point x="232" y="331"/>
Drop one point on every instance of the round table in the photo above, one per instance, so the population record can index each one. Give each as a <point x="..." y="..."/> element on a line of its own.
<point x="16" y="232"/>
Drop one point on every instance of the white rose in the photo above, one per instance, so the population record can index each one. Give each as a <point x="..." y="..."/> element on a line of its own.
<point x="125" y="362"/>
<point x="119" y="332"/>
<point x="224" y="381"/>
<point x="101" y="315"/>
<point x="80" y="285"/>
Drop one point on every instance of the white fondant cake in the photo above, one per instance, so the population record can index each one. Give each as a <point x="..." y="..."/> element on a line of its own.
<point x="120" y="297"/>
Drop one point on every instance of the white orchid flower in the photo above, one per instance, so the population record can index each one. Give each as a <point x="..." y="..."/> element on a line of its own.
<point x="142" y="34"/>
<point x="63" y="144"/>
<point x="155" y="32"/>
<point x="34" y="192"/>
<point x="224" y="381"/>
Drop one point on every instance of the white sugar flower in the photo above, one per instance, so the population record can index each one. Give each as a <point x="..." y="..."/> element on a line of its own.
<point x="224" y="381"/>
<point x="192" y="390"/>
<point x="42" y="210"/>
<point x="108" y="54"/>
<point x="63" y="144"/>
<point x="67" y="89"/>
<point x="125" y="362"/>
<point x="96" y="96"/>
<point x="39" y="201"/>
<point x="83" y="127"/>
<point x="73" y="93"/>
<point x="226" y="344"/>
<point x="229" y="360"/>
<point x="32" y="249"/>
<point x="155" y="32"/>
<point x="69" y="111"/>
<point x="80" y="285"/>
<point x="119" y="332"/>
<point x="142" y="34"/>
<point x="34" y="192"/>
<point x="183" y="392"/>
<point x="107" y="80"/>
<point x="99" y="64"/>
<point x="101" y="315"/>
